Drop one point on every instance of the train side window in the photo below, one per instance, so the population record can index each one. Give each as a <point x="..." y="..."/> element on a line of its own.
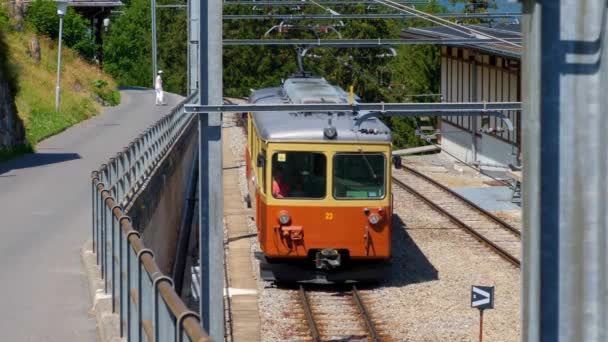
<point x="262" y="164"/>
<point x="299" y="175"/>
<point x="359" y="176"/>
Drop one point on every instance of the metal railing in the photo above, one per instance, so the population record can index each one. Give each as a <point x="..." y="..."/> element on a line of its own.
<point x="149" y="307"/>
<point x="126" y="172"/>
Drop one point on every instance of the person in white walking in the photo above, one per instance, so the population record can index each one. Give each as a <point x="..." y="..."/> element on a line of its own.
<point x="158" y="87"/>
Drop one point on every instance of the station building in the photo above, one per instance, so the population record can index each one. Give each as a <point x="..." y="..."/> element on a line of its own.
<point x="477" y="73"/>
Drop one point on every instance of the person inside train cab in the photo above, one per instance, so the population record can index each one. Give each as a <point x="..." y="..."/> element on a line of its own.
<point x="280" y="188"/>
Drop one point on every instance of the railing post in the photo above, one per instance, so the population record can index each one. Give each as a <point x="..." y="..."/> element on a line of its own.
<point x="114" y="256"/>
<point x="93" y="211"/>
<point x="144" y="289"/>
<point x="103" y="234"/>
<point x="164" y="324"/>
<point x="98" y="222"/>
<point x="107" y="241"/>
<point x="113" y="176"/>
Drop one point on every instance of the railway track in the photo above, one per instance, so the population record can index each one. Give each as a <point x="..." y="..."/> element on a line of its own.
<point x="498" y="235"/>
<point x="337" y="315"/>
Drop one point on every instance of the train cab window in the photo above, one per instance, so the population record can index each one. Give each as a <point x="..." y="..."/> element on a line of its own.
<point x="359" y="176"/>
<point x="299" y="175"/>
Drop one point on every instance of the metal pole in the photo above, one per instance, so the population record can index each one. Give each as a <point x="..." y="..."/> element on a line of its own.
<point x="154" y="63"/>
<point x="58" y="89"/>
<point x="210" y="171"/>
<point x="480" y="325"/>
<point x="473" y="97"/>
<point x="193" y="74"/>
<point x="188" y="61"/>
<point x="565" y="261"/>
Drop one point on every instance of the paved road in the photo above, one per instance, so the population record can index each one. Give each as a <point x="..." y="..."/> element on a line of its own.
<point x="45" y="218"/>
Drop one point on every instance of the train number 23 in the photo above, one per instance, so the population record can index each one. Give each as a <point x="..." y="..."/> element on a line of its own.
<point x="329" y="216"/>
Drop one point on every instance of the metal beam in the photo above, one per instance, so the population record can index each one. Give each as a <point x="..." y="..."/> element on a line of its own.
<point x="358" y="43"/>
<point x="305" y="2"/>
<point x="365" y="16"/>
<point x="366" y="110"/>
<point x="446" y="107"/>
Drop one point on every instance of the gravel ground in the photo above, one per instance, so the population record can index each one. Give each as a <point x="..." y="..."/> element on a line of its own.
<point x="428" y="295"/>
<point x="434" y="266"/>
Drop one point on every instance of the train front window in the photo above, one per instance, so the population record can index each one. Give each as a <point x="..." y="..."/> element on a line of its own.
<point x="359" y="176"/>
<point x="299" y="175"/>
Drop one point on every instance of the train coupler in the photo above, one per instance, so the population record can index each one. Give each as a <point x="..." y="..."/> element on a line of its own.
<point x="327" y="259"/>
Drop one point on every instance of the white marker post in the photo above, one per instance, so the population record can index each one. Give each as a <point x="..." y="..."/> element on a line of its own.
<point x="482" y="297"/>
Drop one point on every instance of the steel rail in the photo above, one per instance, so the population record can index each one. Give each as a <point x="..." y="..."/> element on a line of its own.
<point x="499" y="250"/>
<point x="472" y="205"/>
<point x="371" y="328"/>
<point x="314" y="331"/>
<point x="362" y="43"/>
<point x="365" y="16"/>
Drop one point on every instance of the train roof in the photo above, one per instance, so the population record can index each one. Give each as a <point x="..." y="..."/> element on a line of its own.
<point x="301" y="126"/>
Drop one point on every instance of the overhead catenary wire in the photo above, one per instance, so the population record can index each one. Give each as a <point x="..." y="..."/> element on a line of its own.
<point x="343" y="16"/>
<point x="440" y="21"/>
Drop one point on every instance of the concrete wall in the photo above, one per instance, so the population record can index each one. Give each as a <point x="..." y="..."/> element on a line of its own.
<point x="157" y="209"/>
<point x="489" y="149"/>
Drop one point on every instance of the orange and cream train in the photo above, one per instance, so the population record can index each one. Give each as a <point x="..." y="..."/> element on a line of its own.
<point x="320" y="185"/>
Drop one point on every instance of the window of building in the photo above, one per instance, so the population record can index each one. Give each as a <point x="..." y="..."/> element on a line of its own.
<point x="299" y="175"/>
<point x="359" y="176"/>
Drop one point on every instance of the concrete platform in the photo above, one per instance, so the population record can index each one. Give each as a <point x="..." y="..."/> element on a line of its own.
<point x="493" y="198"/>
<point x="242" y="285"/>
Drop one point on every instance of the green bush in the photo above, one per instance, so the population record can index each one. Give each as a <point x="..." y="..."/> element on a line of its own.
<point x="4" y="21"/>
<point x="109" y="97"/>
<point x="42" y="15"/>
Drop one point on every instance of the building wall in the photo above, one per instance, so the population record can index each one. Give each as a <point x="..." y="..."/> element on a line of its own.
<point x="472" y="76"/>
<point x="490" y="150"/>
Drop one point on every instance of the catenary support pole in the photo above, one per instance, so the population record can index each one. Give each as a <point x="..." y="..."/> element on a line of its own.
<point x="193" y="31"/>
<point x="210" y="170"/>
<point x="154" y="63"/>
<point x="565" y="260"/>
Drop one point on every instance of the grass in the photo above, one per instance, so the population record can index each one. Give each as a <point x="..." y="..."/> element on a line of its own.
<point x="81" y="82"/>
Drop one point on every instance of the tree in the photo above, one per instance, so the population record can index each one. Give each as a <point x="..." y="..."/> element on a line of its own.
<point x="127" y="48"/>
<point x="42" y="15"/>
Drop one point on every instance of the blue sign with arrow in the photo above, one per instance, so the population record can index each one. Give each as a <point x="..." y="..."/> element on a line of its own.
<point x="482" y="297"/>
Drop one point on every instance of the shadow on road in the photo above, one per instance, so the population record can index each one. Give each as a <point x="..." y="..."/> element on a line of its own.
<point x="37" y="159"/>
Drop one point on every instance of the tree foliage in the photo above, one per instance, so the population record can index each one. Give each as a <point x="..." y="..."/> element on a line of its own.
<point x="414" y="71"/>
<point x="128" y="47"/>
<point x="42" y="15"/>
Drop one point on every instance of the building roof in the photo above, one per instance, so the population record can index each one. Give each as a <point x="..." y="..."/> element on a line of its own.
<point x="286" y="126"/>
<point x="499" y="30"/>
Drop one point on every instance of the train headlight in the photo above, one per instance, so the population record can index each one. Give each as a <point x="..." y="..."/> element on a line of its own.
<point x="374" y="219"/>
<point x="284" y="217"/>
